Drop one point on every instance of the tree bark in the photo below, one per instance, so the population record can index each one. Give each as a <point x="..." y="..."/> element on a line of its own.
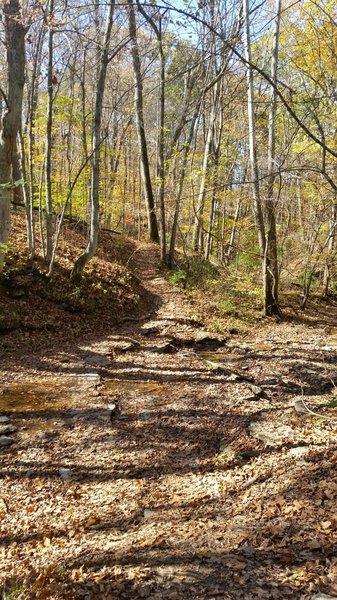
<point x="90" y="250"/>
<point x="15" y="50"/>
<point x="254" y="171"/>
<point x="181" y="185"/>
<point x="144" y="159"/>
<point x="49" y="199"/>
<point x="270" y="265"/>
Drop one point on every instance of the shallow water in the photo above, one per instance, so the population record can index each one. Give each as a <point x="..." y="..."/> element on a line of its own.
<point x="133" y="386"/>
<point x="34" y="397"/>
<point x="216" y="357"/>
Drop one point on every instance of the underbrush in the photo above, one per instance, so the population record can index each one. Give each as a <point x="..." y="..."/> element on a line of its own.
<point x="225" y="299"/>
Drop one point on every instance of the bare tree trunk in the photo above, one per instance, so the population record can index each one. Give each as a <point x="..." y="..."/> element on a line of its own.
<point x="331" y="245"/>
<point x="90" y="250"/>
<point x="161" y="137"/>
<point x="181" y="185"/>
<point x="233" y="231"/>
<point x="16" y="176"/>
<point x="15" y="50"/>
<point x="145" y="167"/>
<point x="25" y="195"/>
<point x="216" y="158"/>
<point x="270" y="266"/>
<point x="205" y="170"/>
<point x="257" y="206"/>
<point x="32" y="105"/>
<point x="49" y="199"/>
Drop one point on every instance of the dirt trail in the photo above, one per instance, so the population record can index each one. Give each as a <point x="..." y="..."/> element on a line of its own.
<point x="202" y="480"/>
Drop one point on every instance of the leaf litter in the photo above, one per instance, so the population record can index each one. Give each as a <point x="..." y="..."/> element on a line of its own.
<point x="171" y="494"/>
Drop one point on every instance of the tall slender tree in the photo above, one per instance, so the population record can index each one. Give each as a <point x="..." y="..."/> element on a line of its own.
<point x="15" y="32"/>
<point x="139" y="114"/>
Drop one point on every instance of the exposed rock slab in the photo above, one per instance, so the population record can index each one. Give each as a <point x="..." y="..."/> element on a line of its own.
<point x="269" y="434"/>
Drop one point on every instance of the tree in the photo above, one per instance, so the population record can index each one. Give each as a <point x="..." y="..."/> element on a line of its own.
<point x="96" y="137"/>
<point x="139" y="114"/>
<point x="15" y="50"/>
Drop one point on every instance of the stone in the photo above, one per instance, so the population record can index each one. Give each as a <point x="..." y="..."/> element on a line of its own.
<point x="166" y="348"/>
<point x="226" y="450"/>
<point x="5" y="441"/>
<point x="144" y="416"/>
<point x="249" y="398"/>
<point x="149" y="330"/>
<point x="114" y="411"/>
<point x="7" y="429"/>
<point x="65" y="474"/>
<point x="256" y="389"/>
<point x="148" y="514"/>
<point x="298" y="451"/>
<point x="125" y="345"/>
<point x="270" y="435"/>
<point x="4" y="419"/>
<point x="203" y="338"/>
<point x="95" y="358"/>
<point x="321" y="596"/>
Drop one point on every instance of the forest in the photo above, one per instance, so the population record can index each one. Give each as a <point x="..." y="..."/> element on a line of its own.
<point x="168" y="299"/>
<point x="205" y="128"/>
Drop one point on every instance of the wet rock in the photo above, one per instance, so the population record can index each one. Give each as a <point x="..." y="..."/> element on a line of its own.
<point x="65" y="474"/>
<point x="269" y="434"/>
<point x="4" y="419"/>
<point x="7" y="429"/>
<point x="5" y="441"/>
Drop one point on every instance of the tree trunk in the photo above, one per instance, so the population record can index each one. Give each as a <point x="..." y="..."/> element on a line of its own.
<point x="32" y="105"/>
<point x="144" y="159"/>
<point x="49" y="199"/>
<point x="254" y="171"/>
<point x="161" y="137"/>
<point x="181" y="185"/>
<point x="270" y="266"/>
<point x="16" y="176"/>
<point x="331" y="245"/>
<point x="90" y="250"/>
<point x="205" y="169"/>
<point x="15" y="50"/>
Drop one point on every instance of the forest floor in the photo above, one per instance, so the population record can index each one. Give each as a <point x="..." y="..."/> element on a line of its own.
<point x="152" y="459"/>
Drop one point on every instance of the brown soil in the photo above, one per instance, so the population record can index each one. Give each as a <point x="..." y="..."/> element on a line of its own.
<point x="169" y="494"/>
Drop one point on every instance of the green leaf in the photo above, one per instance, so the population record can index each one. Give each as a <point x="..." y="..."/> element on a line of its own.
<point x="3" y="248"/>
<point x="18" y="182"/>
